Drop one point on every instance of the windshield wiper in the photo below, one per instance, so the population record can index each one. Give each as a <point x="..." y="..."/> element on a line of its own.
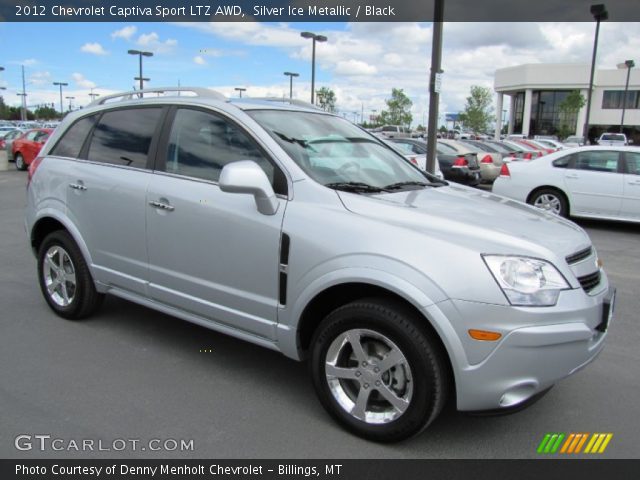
<point x="355" y="187"/>
<point x="400" y="185"/>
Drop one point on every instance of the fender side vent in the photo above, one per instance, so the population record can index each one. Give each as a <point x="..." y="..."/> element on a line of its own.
<point x="283" y="268"/>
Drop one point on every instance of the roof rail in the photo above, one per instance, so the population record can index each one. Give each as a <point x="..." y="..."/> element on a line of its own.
<point x="290" y="101"/>
<point x="199" y="91"/>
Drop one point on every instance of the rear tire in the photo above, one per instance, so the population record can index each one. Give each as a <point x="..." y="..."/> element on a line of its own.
<point x="20" y="164"/>
<point x="550" y="200"/>
<point x="65" y="280"/>
<point x="378" y="371"/>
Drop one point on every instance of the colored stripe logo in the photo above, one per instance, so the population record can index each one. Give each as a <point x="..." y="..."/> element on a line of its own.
<point x="574" y="443"/>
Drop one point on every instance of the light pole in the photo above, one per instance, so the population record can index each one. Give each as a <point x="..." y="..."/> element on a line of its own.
<point x="93" y="95"/>
<point x="240" y="90"/>
<point x="2" y="88"/>
<point x="291" y="75"/>
<point x="434" y="87"/>
<point x="315" y="38"/>
<point x="140" y="55"/>
<point x="629" y="64"/>
<point x="600" y="14"/>
<point x="61" y="84"/>
<point x="70" y="98"/>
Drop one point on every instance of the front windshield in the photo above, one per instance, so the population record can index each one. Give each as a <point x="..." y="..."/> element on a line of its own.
<point x="338" y="154"/>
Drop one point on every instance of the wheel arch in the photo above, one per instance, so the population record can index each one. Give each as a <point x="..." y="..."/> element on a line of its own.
<point x="51" y="221"/>
<point x="340" y="294"/>
<point x="550" y="187"/>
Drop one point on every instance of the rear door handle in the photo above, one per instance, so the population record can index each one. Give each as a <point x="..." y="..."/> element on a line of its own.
<point x="161" y="206"/>
<point x="634" y="182"/>
<point x="77" y="186"/>
<point x="571" y="175"/>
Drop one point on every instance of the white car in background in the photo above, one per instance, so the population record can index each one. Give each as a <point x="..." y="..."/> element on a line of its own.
<point x="573" y="141"/>
<point x="590" y="182"/>
<point x="613" y="139"/>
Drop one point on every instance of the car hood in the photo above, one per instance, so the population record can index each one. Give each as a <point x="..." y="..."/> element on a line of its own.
<point x="474" y="219"/>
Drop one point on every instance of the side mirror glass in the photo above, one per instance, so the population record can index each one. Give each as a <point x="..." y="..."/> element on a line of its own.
<point x="247" y="177"/>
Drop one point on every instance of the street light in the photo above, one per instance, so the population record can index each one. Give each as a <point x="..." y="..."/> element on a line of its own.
<point x="61" y="84"/>
<point x="70" y="98"/>
<point x="140" y="55"/>
<point x="315" y="38"/>
<point x="291" y="75"/>
<point x="600" y="14"/>
<point x="628" y="64"/>
<point x="240" y="90"/>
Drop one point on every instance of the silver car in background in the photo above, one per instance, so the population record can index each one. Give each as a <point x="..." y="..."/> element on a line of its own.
<point x="298" y="231"/>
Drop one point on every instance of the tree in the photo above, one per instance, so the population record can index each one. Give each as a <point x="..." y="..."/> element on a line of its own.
<point x="399" y="112"/>
<point x="569" y="109"/>
<point x="326" y="99"/>
<point x="478" y="112"/>
<point x="45" y="112"/>
<point x="4" y="110"/>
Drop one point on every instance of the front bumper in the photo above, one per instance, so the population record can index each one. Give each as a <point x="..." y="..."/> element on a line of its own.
<point x="539" y="346"/>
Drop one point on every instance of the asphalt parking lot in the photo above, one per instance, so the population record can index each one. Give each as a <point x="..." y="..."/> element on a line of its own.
<point x="129" y="372"/>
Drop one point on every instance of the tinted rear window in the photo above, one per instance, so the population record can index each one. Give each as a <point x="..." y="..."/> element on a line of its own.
<point x="123" y="137"/>
<point x="71" y="142"/>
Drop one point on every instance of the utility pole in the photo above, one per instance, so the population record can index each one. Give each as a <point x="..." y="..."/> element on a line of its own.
<point x="434" y="89"/>
<point x="23" y="110"/>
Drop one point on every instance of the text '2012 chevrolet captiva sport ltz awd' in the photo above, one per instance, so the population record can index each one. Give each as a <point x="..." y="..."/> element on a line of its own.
<point x="296" y="230"/>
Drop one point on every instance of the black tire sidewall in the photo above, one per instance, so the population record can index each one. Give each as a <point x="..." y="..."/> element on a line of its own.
<point x="374" y="316"/>
<point x="64" y="240"/>
<point x="19" y="160"/>
<point x="564" y="204"/>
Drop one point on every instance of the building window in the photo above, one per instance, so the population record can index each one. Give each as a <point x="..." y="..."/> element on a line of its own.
<point x="547" y="118"/>
<point x="519" y="112"/>
<point x="613" y="99"/>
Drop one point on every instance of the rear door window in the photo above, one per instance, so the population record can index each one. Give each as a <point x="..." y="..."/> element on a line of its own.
<point x="123" y="137"/>
<point x="633" y="163"/>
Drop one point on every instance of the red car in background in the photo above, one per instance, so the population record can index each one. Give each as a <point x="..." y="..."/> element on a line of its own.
<point x="26" y="148"/>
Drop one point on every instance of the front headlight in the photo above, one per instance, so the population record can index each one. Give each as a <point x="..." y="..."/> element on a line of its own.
<point x="527" y="281"/>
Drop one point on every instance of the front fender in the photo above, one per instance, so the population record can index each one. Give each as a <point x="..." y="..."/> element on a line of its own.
<point x="406" y="282"/>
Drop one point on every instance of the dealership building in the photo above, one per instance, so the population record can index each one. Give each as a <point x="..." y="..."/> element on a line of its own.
<point x="536" y="91"/>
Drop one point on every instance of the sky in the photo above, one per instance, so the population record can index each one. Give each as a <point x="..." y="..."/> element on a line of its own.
<point x="361" y="62"/>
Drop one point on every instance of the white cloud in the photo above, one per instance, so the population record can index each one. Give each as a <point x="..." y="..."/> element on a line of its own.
<point x="198" y="60"/>
<point x="354" y="68"/>
<point x="40" y="78"/>
<point x="398" y="55"/>
<point x="82" y="82"/>
<point x="151" y="41"/>
<point x="125" y="33"/>
<point x="94" y="49"/>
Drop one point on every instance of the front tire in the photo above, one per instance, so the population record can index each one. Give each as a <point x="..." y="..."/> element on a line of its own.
<point x="65" y="280"/>
<point x="378" y="371"/>
<point x="551" y="200"/>
<point x="20" y="163"/>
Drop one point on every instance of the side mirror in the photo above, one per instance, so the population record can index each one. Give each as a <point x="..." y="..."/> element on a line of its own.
<point x="629" y="142"/>
<point x="247" y="177"/>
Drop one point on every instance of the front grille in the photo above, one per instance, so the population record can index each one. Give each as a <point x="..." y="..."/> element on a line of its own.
<point x="589" y="282"/>
<point x="579" y="256"/>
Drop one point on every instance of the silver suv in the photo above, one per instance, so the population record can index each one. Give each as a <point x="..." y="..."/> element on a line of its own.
<point x="296" y="230"/>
